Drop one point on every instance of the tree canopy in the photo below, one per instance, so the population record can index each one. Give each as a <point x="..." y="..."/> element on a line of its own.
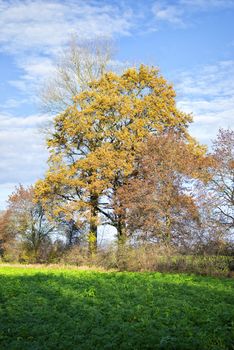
<point x="95" y="142"/>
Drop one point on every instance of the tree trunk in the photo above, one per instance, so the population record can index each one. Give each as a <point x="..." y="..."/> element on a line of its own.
<point x="122" y="239"/>
<point x="92" y="240"/>
<point x="121" y="231"/>
<point x="168" y="230"/>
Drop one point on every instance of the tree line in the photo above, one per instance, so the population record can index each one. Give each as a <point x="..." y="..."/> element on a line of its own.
<point x="120" y="154"/>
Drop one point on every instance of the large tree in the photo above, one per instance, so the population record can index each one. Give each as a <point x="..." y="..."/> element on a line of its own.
<point x="96" y="140"/>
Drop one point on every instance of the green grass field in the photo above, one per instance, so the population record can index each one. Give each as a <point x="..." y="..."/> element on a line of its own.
<point x="71" y="309"/>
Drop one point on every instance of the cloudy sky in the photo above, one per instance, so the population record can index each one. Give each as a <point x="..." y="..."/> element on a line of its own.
<point x="191" y="41"/>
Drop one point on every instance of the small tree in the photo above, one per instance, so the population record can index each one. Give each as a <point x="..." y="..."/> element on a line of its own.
<point x="216" y="198"/>
<point x="28" y="221"/>
<point x="7" y="234"/>
<point x="222" y="184"/>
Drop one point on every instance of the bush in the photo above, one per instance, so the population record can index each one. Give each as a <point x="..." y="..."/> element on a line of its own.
<point x="150" y="257"/>
<point x="164" y="259"/>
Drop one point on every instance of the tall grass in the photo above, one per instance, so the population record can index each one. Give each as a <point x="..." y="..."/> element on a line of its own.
<point x="152" y="258"/>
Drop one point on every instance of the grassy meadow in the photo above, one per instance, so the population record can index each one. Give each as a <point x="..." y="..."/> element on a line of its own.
<point x="52" y="308"/>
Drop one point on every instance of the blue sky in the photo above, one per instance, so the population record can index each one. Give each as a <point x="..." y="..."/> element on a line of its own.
<point x="192" y="41"/>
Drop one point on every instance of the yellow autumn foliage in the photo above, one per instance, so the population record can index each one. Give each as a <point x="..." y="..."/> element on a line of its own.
<point x="96" y="140"/>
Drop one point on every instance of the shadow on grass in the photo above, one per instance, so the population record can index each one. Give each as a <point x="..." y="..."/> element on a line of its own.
<point x="88" y="310"/>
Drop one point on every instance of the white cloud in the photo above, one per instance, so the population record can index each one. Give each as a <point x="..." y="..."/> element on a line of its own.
<point x="208" y="93"/>
<point x="35" y="69"/>
<point x="34" y="32"/>
<point x="169" y="13"/>
<point x="47" y="25"/>
<point x="177" y="12"/>
<point x="15" y="123"/>
<point x="12" y="103"/>
<point x="206" y="4"/>
<point x="22" y="149"/>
